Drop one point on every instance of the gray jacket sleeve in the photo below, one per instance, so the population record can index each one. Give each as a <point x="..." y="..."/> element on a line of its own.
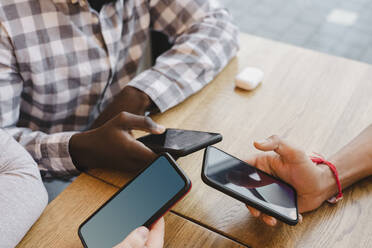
<point x="22" y="193"/>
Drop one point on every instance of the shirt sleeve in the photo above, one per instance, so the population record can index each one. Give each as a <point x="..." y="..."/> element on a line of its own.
<point x="22" y="193"/>
<point x="50" y="151"/>
<point x="204" y="41"/>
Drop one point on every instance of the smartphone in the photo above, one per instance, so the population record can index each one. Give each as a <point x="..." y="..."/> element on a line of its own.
<point x="178" y="142"/>
<point x="250" y="185"/>
<point x="141" y="202"/>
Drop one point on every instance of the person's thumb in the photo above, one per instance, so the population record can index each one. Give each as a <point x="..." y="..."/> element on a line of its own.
<point x="136" y="239"/>
<point x="130" y="121"/>
<point x="278" y="145"/>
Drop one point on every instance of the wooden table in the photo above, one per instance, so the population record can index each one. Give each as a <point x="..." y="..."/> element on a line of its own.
<point x="316" y="101"/>
<point x="58" y="225"/>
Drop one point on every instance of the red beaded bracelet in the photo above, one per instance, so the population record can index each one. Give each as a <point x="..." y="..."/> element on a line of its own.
<point x="320" y="160"/>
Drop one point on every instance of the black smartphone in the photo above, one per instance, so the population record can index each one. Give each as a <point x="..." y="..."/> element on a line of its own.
<point x="141" y="202"/>
<point x="250" y="185"/>
<point x="178" y="142"/>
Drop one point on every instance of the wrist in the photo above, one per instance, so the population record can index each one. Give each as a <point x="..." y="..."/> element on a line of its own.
<point x="77" y="148"/>
<point x="328" y="182"/>
<point x="138" y="99"/>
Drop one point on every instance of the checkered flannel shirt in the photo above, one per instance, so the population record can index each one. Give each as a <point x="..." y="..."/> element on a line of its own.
<point x="61" y="62"/>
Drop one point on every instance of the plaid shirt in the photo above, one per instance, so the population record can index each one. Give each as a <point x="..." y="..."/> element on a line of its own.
<point x="61" y="62"/>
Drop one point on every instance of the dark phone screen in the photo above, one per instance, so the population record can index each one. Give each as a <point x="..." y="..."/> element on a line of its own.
<point x="176" y="139"/>
<point x="134" y="205"/>
<point x="250" y="183"/>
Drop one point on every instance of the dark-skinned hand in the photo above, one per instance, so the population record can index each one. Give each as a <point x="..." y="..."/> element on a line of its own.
<point x="129" y="100"/>
<point x="113" y="146"/>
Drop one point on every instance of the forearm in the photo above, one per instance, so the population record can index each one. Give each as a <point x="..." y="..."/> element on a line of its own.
<point x="22" y="200"/>
<point x="204" y="41"/>
<point x="22" y="193"/>
<point x="353" y="162"/>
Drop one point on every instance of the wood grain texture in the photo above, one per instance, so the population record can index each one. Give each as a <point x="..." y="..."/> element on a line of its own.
<point x="316" y="101"/>
<point x="185" y="234"/>
<point x="58" y="225"/>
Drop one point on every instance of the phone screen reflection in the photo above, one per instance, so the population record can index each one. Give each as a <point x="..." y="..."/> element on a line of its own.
<point x="250" y="183"/>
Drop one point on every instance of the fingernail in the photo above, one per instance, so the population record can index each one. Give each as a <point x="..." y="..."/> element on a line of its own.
<point x="269" y="220"/>
<point x="262" y="142"/>
<point x="256" y="213"/>
<point x="160" y="128"/>
<point x="300" y="218"/>
<point x="143" y="232"/>
<point x="272" y="222"/>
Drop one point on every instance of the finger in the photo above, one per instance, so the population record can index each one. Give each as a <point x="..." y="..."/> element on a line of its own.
<point x="261" y="161"/>
<point x="251" y="160"/>
<point x="156" y="236"/>
<point x="131" y="133"/>
<point x="278" y="145"/>
<point x="130" y="121"/>
<point x="140" y="152"/>
<point x="300" y="218"/>
<point x="253" y="211"/>
<point x="269" y="220"/>
<point x="136" y="239"/>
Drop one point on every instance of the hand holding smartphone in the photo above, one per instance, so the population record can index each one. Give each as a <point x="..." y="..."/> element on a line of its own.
<point x="179" y="142"/>
<point x="250" y="185"/>
<point x="140" y="202"/>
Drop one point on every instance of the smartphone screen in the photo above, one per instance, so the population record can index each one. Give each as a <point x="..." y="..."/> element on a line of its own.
<point x="246" y="183"/>
<point x="140" y="202"/>
<point x="180" y="142"/>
